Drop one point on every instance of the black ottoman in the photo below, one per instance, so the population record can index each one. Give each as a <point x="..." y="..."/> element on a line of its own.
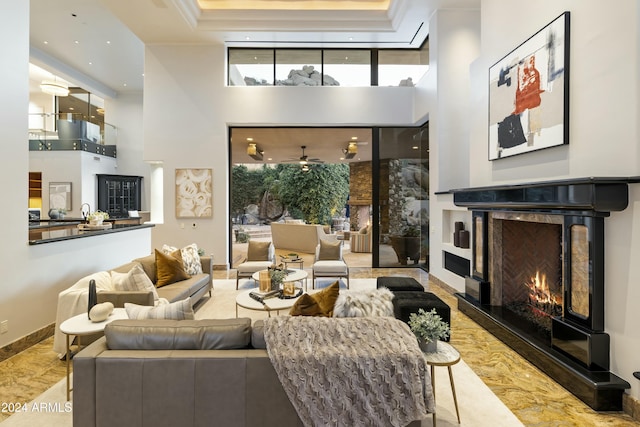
<point x="407" y="302"/>
<point x="395" y="284"/>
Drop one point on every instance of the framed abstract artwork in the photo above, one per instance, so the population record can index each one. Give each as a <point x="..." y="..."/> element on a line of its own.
<point x="60" y="195"/>
<point x="529" y="94"/>
<point x="194" y="193"/>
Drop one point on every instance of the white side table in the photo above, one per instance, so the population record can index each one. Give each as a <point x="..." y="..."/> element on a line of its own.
<point x="80" y="325"/>
<point x="445" y="355"/>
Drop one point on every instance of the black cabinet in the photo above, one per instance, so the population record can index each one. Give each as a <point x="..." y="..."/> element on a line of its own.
<point x="119" y="194"/>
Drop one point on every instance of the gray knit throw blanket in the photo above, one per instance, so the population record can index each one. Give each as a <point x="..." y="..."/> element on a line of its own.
<point x="365" y="371"/>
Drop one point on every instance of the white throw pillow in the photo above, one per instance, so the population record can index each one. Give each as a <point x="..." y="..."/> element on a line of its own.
<point x="376" y="302"/>
<point x="190" y="258"/>
<point x="179" y="310"/>
<point x="134" y="280"/>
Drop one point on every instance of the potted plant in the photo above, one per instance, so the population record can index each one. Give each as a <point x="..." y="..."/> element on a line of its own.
<point x="97" y="217"/>
<point x="277" y="274"/>
<point x="407" y="244"/>
<point x="428" y="327"/>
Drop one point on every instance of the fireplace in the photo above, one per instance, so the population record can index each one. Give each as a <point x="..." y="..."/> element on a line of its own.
<point x="527" y="263"/>
<point x="537" y="278"/>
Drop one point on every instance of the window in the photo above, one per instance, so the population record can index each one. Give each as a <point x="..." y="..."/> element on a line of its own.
<point x="327" y="67"/>
<point x="298" y="67"/>
<point x="251" y="67"/>
<point x="347" y="67"/>
<point x="402" y="67"/>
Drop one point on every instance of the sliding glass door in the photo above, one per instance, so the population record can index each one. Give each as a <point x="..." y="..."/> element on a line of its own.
<point x="403" y="197"/>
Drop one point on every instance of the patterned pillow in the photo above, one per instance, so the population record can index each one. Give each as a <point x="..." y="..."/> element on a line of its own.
<point x="179" y="310"/>
<point x="135" y="280"/>
<point x="190" y="257"/>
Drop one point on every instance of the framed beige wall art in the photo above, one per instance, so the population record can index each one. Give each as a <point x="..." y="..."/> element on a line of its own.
<point x="194" y="196"/>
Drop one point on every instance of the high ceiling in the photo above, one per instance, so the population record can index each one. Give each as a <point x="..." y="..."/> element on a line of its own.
<point x="99" y="44"/>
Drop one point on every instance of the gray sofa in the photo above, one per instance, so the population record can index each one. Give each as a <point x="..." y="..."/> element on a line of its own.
<point x="180" y="373"/>
<point x="194" y="288"/>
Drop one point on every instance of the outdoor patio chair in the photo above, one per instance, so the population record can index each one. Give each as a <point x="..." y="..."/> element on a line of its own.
<point x="260" y="256"/>
<point x="329" y="262"/>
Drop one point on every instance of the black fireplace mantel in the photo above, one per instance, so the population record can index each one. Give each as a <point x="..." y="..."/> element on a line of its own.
<point x="576" y="354"/>
<point x="602" y="194"/>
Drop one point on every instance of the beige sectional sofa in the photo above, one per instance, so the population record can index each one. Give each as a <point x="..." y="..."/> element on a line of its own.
<point x="180" y="373"/>
<point x="73" y="300"/>
<point x="194" y="288"/>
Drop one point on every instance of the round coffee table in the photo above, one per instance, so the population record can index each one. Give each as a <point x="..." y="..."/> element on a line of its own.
<point x="80" y="325"/>
<point x="270" y="304"/>
<point x="296" y="275"/>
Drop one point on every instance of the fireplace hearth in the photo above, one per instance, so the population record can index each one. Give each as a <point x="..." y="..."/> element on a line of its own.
<point x="538" y="277"/>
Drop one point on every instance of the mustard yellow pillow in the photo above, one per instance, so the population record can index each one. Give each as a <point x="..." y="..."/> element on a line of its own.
<point x="319" y="304"/>
<point x="169" y="268"/>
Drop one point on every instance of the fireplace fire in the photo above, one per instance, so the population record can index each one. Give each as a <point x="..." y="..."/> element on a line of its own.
<point x="541" y="299"/>
<point x="540" y="305"/>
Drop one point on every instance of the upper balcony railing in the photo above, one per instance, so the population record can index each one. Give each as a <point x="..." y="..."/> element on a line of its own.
<point x="69" y="131"/>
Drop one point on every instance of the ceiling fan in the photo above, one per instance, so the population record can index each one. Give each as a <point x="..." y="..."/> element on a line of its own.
<point x="304" y="159"/>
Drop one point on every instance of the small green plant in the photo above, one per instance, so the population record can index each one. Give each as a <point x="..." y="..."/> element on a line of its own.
<point x="277" y="274"/>
<point x="410" y="231"/>
<point x="428" y="325"/>
<point x="242" y="236"/>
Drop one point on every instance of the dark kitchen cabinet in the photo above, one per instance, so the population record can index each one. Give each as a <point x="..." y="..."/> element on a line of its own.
<point x="119" y="194"/>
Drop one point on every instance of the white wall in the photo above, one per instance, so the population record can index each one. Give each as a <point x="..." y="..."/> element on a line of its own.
<point x="32" y="276"/>
<point x="454" y="44"/>
<point x="192" y="131"/>
<point x="604" y="118"/>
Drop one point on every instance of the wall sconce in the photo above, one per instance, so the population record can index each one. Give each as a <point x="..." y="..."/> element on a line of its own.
<point x="351" y="150"/>
<point x="254" y="152"/>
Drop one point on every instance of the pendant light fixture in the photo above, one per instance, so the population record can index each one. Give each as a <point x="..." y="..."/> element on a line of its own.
<point x="54" y="87"/>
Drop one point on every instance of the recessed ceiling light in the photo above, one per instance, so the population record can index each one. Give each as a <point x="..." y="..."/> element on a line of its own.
<point x="124" y="84"/>
<point x="415" y="147"/>
<point x="71" y="108"/>
<point x="90" y="63"/>
<point x="108" y="42"/>
<point x="76" y="42"/>
<point x="270" y="159"/>
<point x="249" y="139"/>
<point x="46" y="42"/>
<point x="354" y="138"/>
<point x="247" y="38"/>
<point x="350" y="38"/>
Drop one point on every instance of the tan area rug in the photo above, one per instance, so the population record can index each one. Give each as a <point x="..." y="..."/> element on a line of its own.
<point x="477" y="403"/>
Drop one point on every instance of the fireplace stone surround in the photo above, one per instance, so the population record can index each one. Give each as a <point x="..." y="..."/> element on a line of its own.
<point x="572" y="346"/>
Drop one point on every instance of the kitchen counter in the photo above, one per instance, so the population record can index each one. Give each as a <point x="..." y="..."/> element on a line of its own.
<point x="59" y="230"/>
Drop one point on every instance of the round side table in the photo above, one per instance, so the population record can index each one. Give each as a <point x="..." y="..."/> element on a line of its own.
<point x="79" y="326"/>
<point x="445" y="355"/>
